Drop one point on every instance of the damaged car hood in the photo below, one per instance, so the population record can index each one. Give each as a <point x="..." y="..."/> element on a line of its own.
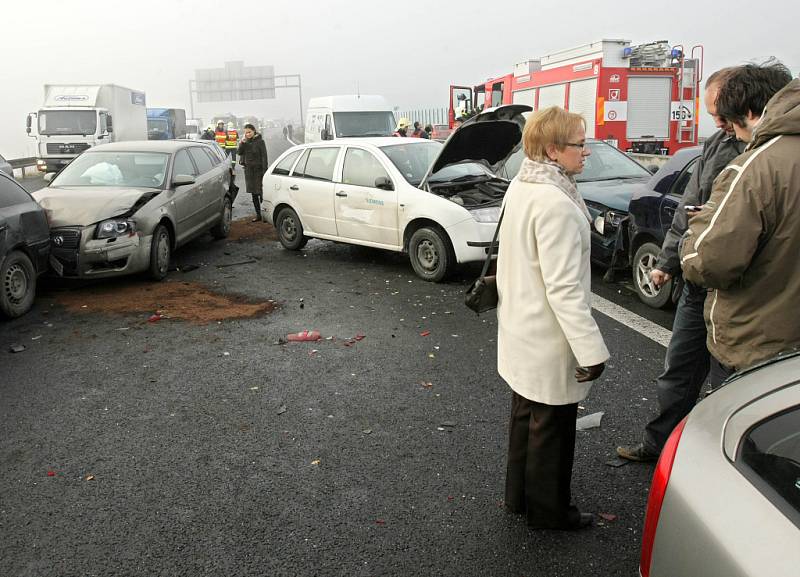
<point x="82" y="205"/>
<point x="488" y="138"/>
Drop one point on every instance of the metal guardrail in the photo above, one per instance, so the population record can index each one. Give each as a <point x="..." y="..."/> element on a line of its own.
<point x="20" y="164"/>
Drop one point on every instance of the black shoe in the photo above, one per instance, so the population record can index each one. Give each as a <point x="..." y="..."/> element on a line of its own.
<point x="575" y="522"/>
<point x="638" y="453"/>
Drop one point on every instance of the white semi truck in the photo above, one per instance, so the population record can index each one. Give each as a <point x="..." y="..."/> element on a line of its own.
<point x="75" y="117"/>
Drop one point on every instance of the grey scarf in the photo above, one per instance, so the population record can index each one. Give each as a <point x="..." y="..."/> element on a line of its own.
<point x="547" y="172"/>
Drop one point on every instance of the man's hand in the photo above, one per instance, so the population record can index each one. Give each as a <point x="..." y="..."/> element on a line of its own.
<point x="583" y="374"/>
<point x="659" y="277"/>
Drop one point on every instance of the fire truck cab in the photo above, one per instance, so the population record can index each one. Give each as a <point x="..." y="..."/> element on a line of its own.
<point x="642" y="98"/>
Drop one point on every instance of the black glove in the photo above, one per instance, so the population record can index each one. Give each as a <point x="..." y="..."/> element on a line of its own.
<point x="583" y="374"/>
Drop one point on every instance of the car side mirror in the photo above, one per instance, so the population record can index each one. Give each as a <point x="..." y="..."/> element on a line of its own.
<point x="384" y="183"/>
<point x="109" y="124"/>
<point x="182" y="180"/>
<point x="49" y="176"/>
<point x="323" y="135"/>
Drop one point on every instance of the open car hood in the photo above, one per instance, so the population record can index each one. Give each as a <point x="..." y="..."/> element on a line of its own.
<point x="488" y="138"/>
<point x="82" y="206"/>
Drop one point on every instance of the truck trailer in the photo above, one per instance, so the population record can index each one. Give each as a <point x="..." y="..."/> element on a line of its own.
<point x="75" y="117"/>
<point x="166" y="123"/>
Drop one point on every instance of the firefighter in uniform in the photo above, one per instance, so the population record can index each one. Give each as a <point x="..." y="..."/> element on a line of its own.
<point x="232" y="142"/>
<point x="220" y="135"/>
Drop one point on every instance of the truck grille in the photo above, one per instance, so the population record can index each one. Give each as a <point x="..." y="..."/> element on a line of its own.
<point x="66" y="147"/>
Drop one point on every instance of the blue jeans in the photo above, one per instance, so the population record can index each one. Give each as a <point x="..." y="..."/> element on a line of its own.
<point x="686" y="367"/>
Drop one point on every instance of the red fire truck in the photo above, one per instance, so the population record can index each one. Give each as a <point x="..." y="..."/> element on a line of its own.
<point x="642" y="98"/>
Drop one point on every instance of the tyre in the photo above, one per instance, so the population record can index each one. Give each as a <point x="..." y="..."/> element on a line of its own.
<point x="18" y="278"/>
<point x="160" y="253"/>
<point x="430" y="253"/>
<point x="643" y="262"/>
<point x="290" y="230"/>
<point x="223" y="226"/>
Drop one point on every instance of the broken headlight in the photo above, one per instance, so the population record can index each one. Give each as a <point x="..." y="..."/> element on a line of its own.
<point x="114" y="228"/>
<point x="608" y="221"/>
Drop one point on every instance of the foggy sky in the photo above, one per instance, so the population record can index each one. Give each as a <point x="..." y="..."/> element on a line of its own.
<point x="407" y="51"/>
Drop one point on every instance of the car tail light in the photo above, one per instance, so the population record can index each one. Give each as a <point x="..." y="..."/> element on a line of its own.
<point x="658" y="488"/>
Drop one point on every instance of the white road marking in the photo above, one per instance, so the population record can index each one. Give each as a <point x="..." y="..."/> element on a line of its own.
<point x="651" y="330"/>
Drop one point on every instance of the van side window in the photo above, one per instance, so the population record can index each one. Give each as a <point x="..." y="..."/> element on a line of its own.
<point x="361" y="168"/>
<point x="320" y="164"/>
<point x="285" y="165"/>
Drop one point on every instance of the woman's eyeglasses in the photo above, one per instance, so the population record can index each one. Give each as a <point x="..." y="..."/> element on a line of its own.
<point x="581" y="145"/>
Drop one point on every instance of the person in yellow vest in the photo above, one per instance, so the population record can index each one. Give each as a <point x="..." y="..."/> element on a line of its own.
<point x="232" y="142"/>
<point x="220" y="135"/>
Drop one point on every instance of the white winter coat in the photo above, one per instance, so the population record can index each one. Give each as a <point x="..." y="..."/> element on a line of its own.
<point x="545" y="324"/>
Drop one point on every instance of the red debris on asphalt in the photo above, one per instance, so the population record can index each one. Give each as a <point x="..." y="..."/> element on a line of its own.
<point x="380" y="522"/>
<point x="304" y="336"/>
<point x="607" y="516"/>
<point x="154" y="318"/>
<point x="51" y="473"/>
<point x="424" y="333"/>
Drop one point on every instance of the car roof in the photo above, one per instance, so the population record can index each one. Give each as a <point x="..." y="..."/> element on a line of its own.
<point x="370" y="141"/>
<point x="145" y="146"/>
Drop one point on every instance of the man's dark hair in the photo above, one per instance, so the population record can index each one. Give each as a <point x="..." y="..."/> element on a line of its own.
<point x="749" y="87"/>
<point x="250" y="126"/>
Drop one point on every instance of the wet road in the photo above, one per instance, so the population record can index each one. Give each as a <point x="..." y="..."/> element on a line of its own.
<point x="214" y="451"/>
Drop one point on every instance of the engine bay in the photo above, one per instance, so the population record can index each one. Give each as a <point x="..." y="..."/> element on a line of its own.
<point x="473" y="194"/>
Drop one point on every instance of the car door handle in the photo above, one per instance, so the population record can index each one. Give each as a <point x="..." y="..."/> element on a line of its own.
<point x="294" y="187"/>
<point x="340" y="193"/>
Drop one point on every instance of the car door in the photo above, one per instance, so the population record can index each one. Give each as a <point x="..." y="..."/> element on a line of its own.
<point x="311" y="189"/>
<point x="670" y="201"/>
<point x="22" y="223"/>
<point x="186" y="198"/>
<point x="364" y="211"/>
<point x="209" y="183"/>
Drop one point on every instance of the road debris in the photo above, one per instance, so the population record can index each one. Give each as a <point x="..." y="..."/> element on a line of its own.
<point x="425" y="333"/>
<point x="367" y="431"/>
<point x="607" y="516"/>
<point x="617" y="462"/>
<point x="89" y="478"/>
<point x="282" y="409"/>
<point x="305" y="335"/>
<point x="154" y="318"/>
<point x="426" y="384"/>
<point x="589" y="421"/>
<point x="315" y="462"/>
<point x="16" y="348"/>
<point x="237" y="263"/>
<point x="51" y="473"/>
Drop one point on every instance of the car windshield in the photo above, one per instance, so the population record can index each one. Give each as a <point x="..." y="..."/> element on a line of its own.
<point x="354" y="124"/>
<point x="124" y="169"/>
<point x="413" y="160"/>
<point x="157" y="128"/>
<point x="605" y="163"/>
<point x="67" y="122"/>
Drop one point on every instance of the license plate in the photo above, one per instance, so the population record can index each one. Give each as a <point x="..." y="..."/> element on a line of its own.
<point x="56" y="265"/>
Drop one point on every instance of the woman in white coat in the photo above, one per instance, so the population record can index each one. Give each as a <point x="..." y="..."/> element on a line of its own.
<point x="549" y="347"/>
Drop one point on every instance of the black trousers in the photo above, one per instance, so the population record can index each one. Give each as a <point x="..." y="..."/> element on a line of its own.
<point x="719" y="373"/>
<point x="541" y="450"/>
<point x="686" y="367"/>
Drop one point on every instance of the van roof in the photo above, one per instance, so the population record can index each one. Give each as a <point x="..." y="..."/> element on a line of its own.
<point x="350" y="102"/>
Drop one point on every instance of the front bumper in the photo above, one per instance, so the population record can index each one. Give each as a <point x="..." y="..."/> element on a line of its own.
<point x="471" y="239"/>
<point x="80" y="255"/>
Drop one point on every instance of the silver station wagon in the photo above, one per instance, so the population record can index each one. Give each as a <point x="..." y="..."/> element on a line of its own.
<point x="123" y="208"/>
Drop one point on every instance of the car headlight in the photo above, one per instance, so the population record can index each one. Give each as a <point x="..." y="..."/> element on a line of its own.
<point x="490" y="214"/>
<point x="115" y="227"/>
<point x="608" y="221"/>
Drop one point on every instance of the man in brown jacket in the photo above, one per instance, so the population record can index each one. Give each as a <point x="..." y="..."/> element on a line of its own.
<point x="744" y="244"/>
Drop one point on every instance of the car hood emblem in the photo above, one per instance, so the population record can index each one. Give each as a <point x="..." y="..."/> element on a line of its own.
<point x="58" y="240"/>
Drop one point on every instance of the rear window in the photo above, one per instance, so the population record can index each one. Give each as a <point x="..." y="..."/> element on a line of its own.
<point x="320" y="163"/>
<point x="770" y="455"/>
<point x="285" y="165"/>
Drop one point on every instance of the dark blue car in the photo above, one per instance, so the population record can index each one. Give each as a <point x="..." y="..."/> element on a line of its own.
<point x="650" y="215"/>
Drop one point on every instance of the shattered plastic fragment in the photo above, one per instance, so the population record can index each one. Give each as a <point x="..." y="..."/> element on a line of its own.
<point x="589" y="421"/>
<point x="304" y="336"/>
<point x="315" y="462"/>
<point x="16" y="348"/>
<point x="51" y="473"/>
<point x="154" y="318"/>
<point x="282" y="409"/>
<point x="367" y="431"/>
<point x="89" y="478"/>
<point x="424" y="333"/>
<point x="607" y="516"/>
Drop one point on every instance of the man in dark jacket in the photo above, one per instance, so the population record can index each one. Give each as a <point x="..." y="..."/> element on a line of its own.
<point x="686" y="365"/>
<point x="744" y="243"/>
<point x="253" y="155"/>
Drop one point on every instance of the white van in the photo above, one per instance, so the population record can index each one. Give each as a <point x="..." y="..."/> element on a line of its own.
<point x="347" y="116"/>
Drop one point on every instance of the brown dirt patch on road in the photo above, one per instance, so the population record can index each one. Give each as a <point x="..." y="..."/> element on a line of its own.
<point x="191" y="302"/>
<point x="243" y="230"/>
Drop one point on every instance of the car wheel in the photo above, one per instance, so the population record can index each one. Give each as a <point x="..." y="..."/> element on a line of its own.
<point x="290" y="230"/>
<point x="223" y="227"/>
<point x="18" y="279"/>
<point x="430" y="254"/>
<point x="160" y="253"/>
<point x="643" y="262"/>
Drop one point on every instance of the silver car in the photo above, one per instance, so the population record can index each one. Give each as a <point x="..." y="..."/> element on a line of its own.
<point x="123" y="208"/>
<point x="725" y="497"/>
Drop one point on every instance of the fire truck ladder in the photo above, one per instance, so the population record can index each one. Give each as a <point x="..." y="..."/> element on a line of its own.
<point x="687" y="130"/>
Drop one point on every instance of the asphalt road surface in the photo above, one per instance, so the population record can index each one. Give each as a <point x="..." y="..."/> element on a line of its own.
<point x="173" y="448"/>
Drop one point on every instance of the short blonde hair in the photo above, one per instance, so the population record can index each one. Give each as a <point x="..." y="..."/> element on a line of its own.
<point x="552" y="125"/>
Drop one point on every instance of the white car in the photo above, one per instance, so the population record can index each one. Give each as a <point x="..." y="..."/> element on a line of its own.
<point x="439" y="203"/>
